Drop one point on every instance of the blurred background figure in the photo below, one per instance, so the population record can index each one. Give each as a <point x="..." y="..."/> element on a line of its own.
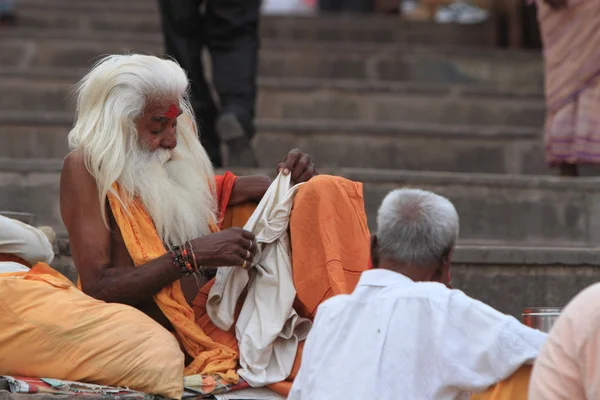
<point x="571" y="38"/>
<point x="444" y="11"/>
<point x="7" y="12"/>
<point x="289" y="7"/>
<point x="229" y="30"/>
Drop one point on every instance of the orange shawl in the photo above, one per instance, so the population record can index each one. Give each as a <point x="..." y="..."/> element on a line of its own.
<point x="571" y="38"/>
<point x="143" y="243"/>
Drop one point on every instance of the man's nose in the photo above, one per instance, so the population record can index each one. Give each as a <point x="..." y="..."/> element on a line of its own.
<point x="169" y="140"/>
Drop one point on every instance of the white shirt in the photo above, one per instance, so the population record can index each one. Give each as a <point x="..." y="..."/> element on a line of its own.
<point x="398" y="339"/>
<point x="24" y="241"/>
<point x="268" y="328"/>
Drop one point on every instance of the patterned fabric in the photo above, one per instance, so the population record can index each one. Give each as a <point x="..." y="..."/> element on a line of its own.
<point x="18" y="384"/>
<point x="196" y="387"/>
<point x="202" y="386"/>
<point x="572" y="133"/>
<point x="571" y="39"/>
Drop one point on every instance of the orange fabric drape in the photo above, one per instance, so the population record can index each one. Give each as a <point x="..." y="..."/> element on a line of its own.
<point x="144" y="245"/>
<point x="330" y="249"/>
<point x="515" y="387"/>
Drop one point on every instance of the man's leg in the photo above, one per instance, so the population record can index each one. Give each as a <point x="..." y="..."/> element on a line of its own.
<point x="232" y="36"/>
<point x="330" y="247"/>
<point x="330" y="243"/>
<point x="186" y="49"/>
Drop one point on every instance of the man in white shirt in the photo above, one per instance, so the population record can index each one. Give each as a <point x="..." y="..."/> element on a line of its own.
<point x="404" y="333"/>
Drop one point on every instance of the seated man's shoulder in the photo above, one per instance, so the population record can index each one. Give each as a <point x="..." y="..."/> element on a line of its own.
<point x="75" y="170"/>
<point x="334" y="303"/>
<point x="585" y="307"/>
<point x="74" y="160"/>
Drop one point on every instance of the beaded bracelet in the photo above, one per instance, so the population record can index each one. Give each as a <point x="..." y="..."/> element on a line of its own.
<point x="182" y="259"/>
<point x="193" y="255"/>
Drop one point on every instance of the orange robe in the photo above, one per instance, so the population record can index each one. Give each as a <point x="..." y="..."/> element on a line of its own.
<point x="330" y="249"/>
<point x="515" y="387"/>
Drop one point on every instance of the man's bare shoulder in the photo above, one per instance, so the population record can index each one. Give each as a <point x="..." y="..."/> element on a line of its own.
<point x="75" y="175"/>
<point x="74" y="162"/>
<point x="78" y="192"/>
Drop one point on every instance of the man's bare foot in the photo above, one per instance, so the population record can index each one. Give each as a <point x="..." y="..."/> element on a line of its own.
<point x="568" y="170"/>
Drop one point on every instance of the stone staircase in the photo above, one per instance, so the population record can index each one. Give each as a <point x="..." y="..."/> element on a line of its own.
<point x="379" y="100"/>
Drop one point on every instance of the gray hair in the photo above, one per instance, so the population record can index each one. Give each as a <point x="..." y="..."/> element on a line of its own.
<point x="416" y="227"/>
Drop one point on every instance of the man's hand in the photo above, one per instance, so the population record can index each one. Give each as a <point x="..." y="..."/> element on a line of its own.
<point x="556" y="4"/>
<point x="299" y="164"/>
<point x="233" y="247"/>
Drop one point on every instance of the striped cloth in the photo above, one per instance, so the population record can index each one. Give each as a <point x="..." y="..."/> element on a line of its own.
<point x="571" y="39"/>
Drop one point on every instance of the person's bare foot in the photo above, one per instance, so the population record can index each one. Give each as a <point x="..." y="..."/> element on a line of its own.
<point x="568" y="170"/>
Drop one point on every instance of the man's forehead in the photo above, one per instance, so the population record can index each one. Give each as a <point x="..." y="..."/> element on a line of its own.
<point x="173" y="111"/>
<point x="162" y="110"/>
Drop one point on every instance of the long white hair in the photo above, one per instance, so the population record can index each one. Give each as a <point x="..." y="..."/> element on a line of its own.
<point x="111" y="97"/>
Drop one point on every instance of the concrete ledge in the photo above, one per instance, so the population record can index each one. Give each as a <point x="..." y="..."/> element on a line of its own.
<point x="314" y="127"/>
<point x="91" y="17"/>
<point x="402" y="103"/>
<point x="516" y="55"/>
<point x="51" y="75"/>
<point x="333" y="143"/>
<point x="116" y="5"/>
<point x="31" y="165"/>
<point x="530" y="211"/>
<point x="510" y="289"/>
<point x="510" y="256"/>
<point x="293" y="59"/>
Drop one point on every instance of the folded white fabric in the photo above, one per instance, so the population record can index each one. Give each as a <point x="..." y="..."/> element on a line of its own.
<point x="25" y="241"/>
<point x="268" y="328"/>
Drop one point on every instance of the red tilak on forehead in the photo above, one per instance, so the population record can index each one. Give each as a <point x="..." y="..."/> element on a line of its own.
<point x="173" y="111"/>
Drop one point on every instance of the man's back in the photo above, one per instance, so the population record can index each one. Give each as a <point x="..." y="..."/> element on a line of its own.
<point x="397" y="339"/>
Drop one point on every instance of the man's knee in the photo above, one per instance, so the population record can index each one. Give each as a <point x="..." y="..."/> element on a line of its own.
<point x="317" y="184"/>
<point x="327" y="186"/>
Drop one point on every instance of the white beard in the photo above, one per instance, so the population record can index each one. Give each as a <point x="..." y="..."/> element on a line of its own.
<point x="169" y="183"/>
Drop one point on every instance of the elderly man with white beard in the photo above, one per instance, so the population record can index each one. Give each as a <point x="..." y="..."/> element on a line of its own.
<point x="148" y="219"/>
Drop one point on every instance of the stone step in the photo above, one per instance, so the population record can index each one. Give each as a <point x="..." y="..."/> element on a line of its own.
<point x="91" y="5"/>
<point x="510" y="278"/>
<point x="334" y="143"/>
<point x="321" y="99"/>
<point x="24" y="49"/>
<point x="140" y="18"/>
<point x="534" y="210"/>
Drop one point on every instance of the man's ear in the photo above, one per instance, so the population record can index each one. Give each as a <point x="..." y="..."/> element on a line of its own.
<point x="446" y="264"/>
<point x="374" y="251"/>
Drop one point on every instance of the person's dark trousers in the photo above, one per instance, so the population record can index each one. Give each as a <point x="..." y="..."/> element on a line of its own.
<point x="229" y="29"/>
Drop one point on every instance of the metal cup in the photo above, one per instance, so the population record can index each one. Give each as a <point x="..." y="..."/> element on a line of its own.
<point x="541" y="318"/>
